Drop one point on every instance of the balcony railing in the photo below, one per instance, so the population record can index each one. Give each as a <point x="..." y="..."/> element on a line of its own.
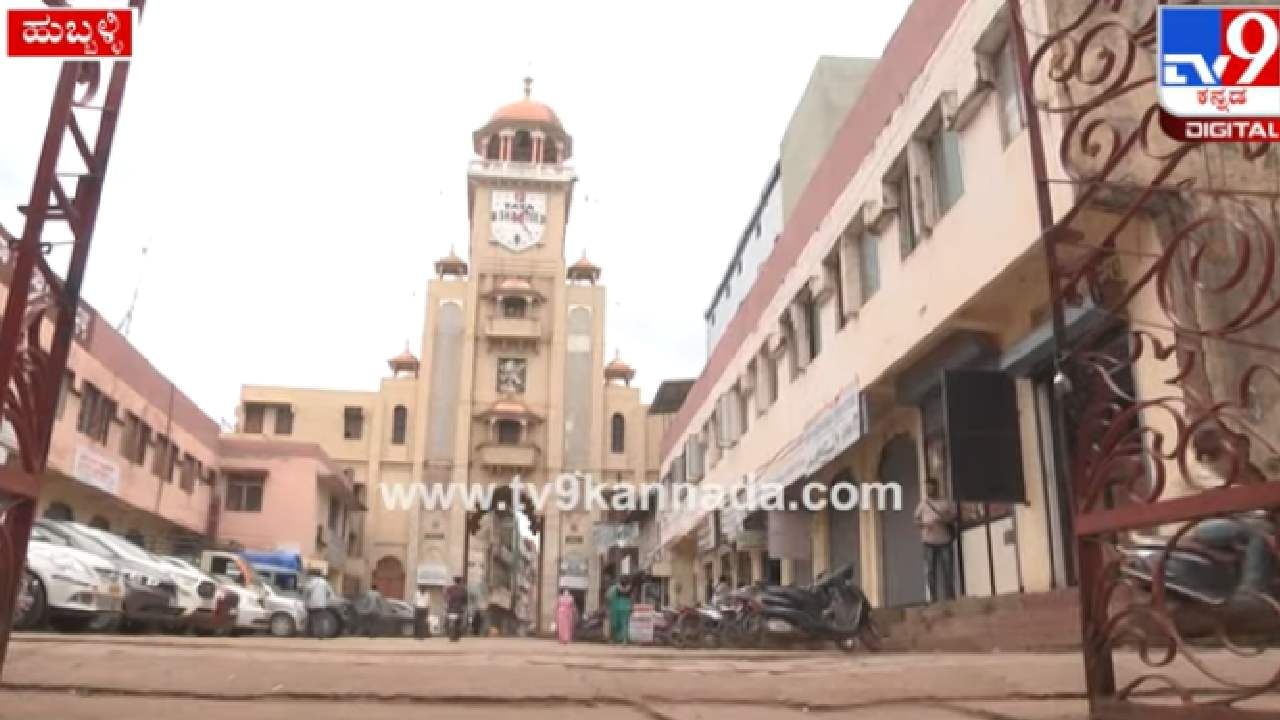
<point x="504" y="328"/>
<point x="508" y="456"/>
<point x="529" y="171"/>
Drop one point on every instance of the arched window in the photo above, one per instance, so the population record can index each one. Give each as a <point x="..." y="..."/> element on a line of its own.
<point x="100" y="522"/>
<point x="59" y="511"/>
<point x="549" y="152"/>
<point x="399" y="421"/>
<point x="618" y="434"/>
<point x="522" y="151"/>
<point x="491" y="151"/>
<point x="508" y="432"/>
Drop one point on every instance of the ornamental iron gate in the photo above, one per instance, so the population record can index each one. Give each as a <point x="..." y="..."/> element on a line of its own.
<point x="42" y="307"/>
<point x="1171" y="405"/>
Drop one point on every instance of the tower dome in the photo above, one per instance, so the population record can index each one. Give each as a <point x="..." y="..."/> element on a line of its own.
<point x="451" y="265"/>
<point x="583" y="270"/>
<point x="406" y="363"/>
<point x="618" y="370"/>
<point x="524" y="131"/>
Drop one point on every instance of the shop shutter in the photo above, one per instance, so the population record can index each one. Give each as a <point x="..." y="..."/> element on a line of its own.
<point x="984" y="454"/>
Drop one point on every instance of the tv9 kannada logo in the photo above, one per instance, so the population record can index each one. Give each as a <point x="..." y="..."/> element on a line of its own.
<point x="1219" y="73"/>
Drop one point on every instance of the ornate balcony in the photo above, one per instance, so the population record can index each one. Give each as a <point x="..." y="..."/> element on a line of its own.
<point x="497" y="456"/>
<point x="503" y="328"/>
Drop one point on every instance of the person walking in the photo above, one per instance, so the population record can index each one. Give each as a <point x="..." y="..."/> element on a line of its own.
<point x="317" y="595"/>
<point x="422" y="613"/>
<point x="455" y="607"/>
<point x="566" y="617"/>
<point x="619" y="600"/>
<point x="936" y="518"/>
<point x="720" y="594"/>
<point x="368" y="609"/>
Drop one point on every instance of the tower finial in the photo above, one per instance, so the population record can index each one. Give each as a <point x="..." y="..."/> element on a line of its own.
<point x="528" y="86"/>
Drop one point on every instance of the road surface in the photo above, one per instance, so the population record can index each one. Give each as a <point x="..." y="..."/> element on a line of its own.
<point x="82" y="677"/>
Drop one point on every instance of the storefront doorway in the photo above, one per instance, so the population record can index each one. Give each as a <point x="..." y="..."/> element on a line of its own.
<point x="388" y="576"/>
<point x="844" y="530"/>
<point x="900" y="543"/>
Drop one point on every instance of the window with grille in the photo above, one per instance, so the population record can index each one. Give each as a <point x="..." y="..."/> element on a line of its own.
<point x="244" y="493"/>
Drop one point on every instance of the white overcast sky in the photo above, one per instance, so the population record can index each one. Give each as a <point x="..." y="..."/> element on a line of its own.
<point x="294" y="168"/>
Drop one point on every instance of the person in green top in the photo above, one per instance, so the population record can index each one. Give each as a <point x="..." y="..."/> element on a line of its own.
<point x="619" y="599"/>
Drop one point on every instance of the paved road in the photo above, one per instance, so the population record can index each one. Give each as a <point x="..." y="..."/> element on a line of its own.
<point x="82" y="677"/>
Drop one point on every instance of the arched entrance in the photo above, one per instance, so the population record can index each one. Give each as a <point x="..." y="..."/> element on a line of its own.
<point x="900" y="545"/>
<point x="59" y="511"/>
<point x="388" y="575"/>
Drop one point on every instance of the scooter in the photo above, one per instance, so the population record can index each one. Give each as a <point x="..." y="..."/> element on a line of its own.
<point x="590" y="627"/>
<point x="833" y="608"/>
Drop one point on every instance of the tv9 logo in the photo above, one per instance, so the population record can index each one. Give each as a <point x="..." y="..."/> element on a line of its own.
<point x="1219" y="72"/>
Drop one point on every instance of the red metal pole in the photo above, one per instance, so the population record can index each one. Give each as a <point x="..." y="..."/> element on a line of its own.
<point x="31" y="373"/>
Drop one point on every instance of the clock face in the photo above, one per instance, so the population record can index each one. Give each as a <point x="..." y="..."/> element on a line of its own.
<point x="517" y="218"/>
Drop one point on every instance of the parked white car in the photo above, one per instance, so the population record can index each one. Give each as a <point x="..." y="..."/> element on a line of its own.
<point x="66" y="587"/>
<point x="202" y="597"/>
<point x="288" y="612"/>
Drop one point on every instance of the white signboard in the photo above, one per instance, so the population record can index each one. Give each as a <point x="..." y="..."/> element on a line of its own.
<point x="620" y="535"/>
<point x="573" y="572"/>
<point x="96" y="470"/>
<point x="641" y="627"/>
<point x="834" y="430"/>
<point x="434" y="574"/>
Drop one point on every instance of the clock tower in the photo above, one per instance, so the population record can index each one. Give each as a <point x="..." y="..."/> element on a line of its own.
<point x="510" y="381"/>
<point x="514" y="342"/>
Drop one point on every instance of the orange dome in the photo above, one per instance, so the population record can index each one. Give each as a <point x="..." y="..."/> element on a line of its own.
<point x="404" y="361"/>
<point x="526" y="111"/>
<point x="451" y="264"/>
<point x="618" y="370"/>
<point x="525" y="114"/>
<point x="584" y="269"/>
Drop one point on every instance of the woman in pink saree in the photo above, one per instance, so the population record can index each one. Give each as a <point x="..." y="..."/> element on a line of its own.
<point x="566" y="617"/>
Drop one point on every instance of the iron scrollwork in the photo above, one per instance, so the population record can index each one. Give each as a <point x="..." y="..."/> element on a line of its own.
<point x="1174" y="406"/>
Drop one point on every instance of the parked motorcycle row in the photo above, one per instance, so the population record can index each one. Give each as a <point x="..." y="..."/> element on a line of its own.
<point x="832" y="609"/>
<point x="80" y="578"/>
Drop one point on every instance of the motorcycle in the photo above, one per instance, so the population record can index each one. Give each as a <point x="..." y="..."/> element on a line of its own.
<point x="666" y="628"/>
<point x="742" y="623"/>
<point x="833" y="608"/>
<point x="697" y="627"/>
<point x="1196" y="571"/>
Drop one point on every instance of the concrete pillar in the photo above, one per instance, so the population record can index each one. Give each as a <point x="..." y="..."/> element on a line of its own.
<point x="788" y="571"/>
<point x="757" y="565"/>
<point x="1031" y="519"/>
<point x="549" y="573"/>
<point x="821" y="543"/>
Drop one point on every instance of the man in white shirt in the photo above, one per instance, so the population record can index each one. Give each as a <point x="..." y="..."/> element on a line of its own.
<point x="316" y="595"/>
<point x="936" y="516"/>
<point x="421" y="611"/>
